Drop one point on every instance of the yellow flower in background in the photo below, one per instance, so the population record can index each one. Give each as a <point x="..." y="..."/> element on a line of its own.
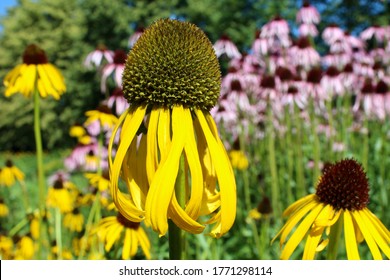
<point x="238" y="159"/>
<point x="61" y="196"/>
<point x="74" y="220"/>
<point x="66" y="254"/>
<point x="341" y="197"/>
<point x="131" y="235"/>
<point x="262" y="211"/>
<point x="101" y="182"/>
<point x="6" y="247"/>
<point x="80" y="133"/>
<point x="34" y="225"/>
<point x="35" y="72"/>
<point x="171" y="81"/>
<point x="3" y="208"/>
<point x="103" y="116"/>
<point x="25" y="248"/>
<point x="9" y="174"/>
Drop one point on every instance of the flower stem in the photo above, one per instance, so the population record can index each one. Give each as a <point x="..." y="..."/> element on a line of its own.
<point x="95" y="207"/>
<point x="18" y="227"/>
<point x="334" y="239"/>
<point x="301" y="187"/>
<point x="176" y="235"/>
<point x="58" y="233"/>
<point x="316" y="144"/>
<point x="40" y="169"/>
<point x="272" y="164"/>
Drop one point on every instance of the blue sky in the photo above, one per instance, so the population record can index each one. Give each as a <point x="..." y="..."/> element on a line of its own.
<point x="4" y="4"/>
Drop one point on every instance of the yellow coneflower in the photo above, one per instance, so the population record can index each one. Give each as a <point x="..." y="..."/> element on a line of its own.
<point x="80" y="133"/>
<point x="35" y="72"/>
<point x="341" y="197"/>
<point x="238" y="159"/>
<point x="103" y="115"/>
<point x="111" y="229"/>
<point x="59" y="195"/>
<point x="66" y="254"/>
<point x="263" y="209"/>
<point x="25" y="248"/>
<point x="74" y="220"/>
<point x="101" y="182"/>
<point x="3" y="208"/>
<point x="6" y="247"/>
<point x="171" y="81"/>
<point x="10" y="174"/>
<point x="89" y="198"/>
<point x="34" y="225"/>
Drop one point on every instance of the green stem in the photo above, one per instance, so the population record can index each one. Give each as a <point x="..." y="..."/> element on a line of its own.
<point x="334" y="239"/>
<point x="92" y="213"/>
<point x="301" y="189"/>
<point x="290" y="160"/>
<point x="58" y="230"/>
<point x="382" y="168"/>
<point x="18" y="227"/>
<point x="176" y="236"/>
<point x="40" y="169"/>
<point x="272" y="164"/>
<point x="316" y="144"/>
<point x="331" y="129"/>
<point x="365" y="144"/>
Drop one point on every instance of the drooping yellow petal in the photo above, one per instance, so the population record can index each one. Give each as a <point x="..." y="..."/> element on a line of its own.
<point x="328" y="221"/>
<point x="300" y="232"/>
<point x="322" y="245"/>
<point x="211" y="197"/>
<point x="191" y="151"/>
<point x="225" y="177"/>
<point x="378" y="225"/>
<point x="127" y="209"/>
<point x="113" y="234"/>
<point x="129" y="171"/>
<point x="144" y="242"/>
<point x="122" y="118"/>
<point x="366" y="231"/>
<point x="10" y="78"/>
<point x="56" y="78"/>
<point x="383" y="245"/>
<point x="126" y="245"/>
<point x="45" y="78"/>
<point x="151" y="145"/>
<point x="163" y="183"/>
<point x="140" y="174"/>
<point x="314" y="236"/>
<point x="164" y="133"/>
<point x="182" y="219"/>
<point x="350" y="237"/>
<point x="298" y="204"/>
<point x="294" y="219"/>
<point x="133" y="242"/>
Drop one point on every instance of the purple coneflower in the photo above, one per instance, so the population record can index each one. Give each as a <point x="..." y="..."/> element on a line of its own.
<point x="332" y="33"/>
<point x="277" y="33"/>
<point x="376" y="31"/>
<point x="116" y="99"/>
<point x="308" y="29"/>
<point x="332" y="83"/>
<point x="133" y="38"/>
<point x="115" y="67"/>
<point x="303" y="54"/>
<point x="95" y="58"/>
<point x="308" y="14"/>
<point x="226" y="46"/>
